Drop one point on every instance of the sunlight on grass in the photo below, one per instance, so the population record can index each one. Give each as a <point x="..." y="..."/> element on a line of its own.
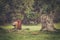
<point x="32" y="28"/>
<point x="25" y="27"/>
<point x="30" y="32"/>
<point x="57" y="25"/>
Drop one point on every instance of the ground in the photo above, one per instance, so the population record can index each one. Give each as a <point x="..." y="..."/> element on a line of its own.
<point x="29" y="32"/>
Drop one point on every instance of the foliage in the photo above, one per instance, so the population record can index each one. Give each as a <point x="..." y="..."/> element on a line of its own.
<point x="29" y="9"/>
<point x="32" y="16"/>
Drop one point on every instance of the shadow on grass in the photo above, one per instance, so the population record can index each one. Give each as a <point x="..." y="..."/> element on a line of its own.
<point x="52" y="32"/>
<point x="55" y="35"/>
<point x="51" y="35"/>
<point x="58" y="31"/>
<point x="4" y="34"/>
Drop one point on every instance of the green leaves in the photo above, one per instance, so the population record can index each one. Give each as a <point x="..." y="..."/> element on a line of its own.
<point x="33" y="16"/>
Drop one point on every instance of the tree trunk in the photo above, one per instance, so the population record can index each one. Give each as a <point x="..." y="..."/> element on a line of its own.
<point x="47" y="23"/>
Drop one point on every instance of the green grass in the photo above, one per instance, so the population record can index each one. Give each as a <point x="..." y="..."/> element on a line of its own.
<point x="30" y="32"/>
<point x="57" y="25"/>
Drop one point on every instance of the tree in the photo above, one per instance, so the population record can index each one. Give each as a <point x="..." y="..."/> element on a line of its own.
<point x="47" y="23"/>
<point x="47" y="10"/>
<point x="2" y="12"/>
<point x="30" y="10"/>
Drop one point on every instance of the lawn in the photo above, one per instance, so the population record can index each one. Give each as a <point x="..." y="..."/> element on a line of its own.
<point x="29" y="32"/>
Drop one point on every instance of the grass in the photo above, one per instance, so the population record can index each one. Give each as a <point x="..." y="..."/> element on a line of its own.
<point x="30" y="32"/>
